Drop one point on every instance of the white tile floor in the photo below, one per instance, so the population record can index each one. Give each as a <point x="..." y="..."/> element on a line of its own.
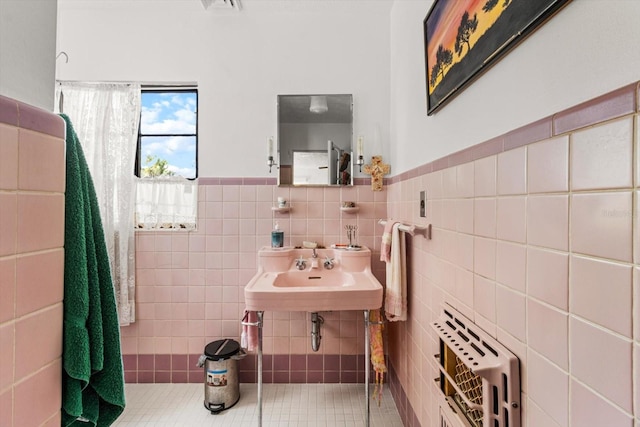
<point x="308" y="405"/>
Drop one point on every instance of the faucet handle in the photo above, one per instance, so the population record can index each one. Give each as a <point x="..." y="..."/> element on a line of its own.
<point x="301" y="263"/>
<point x="328" y="263"/>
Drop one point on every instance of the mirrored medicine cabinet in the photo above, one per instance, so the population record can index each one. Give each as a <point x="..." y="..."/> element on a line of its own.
<point x="315" y="140"/>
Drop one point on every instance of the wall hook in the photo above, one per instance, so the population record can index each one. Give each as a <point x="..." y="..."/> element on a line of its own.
<point x="66" y="57"/>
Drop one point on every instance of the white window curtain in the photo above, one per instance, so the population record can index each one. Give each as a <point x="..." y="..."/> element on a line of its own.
<point x="106" y="118"/>
<point x="166" y="203"/>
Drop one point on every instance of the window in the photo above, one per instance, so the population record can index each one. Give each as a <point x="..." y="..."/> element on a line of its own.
<point x="166" y="159"/>
<point x="168" y="133"/>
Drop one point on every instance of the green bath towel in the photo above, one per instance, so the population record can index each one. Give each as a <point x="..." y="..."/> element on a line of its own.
<point x="92" y="377"/>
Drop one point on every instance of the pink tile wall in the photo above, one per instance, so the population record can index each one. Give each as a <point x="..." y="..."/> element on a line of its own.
<point x="190" y="286"/>
<point x="31" y="264"/>
<point x="551" y="265"/>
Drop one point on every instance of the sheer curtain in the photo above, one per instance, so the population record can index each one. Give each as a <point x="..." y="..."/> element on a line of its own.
<point x="166" y="203"/>
<point x="106" y="118"/>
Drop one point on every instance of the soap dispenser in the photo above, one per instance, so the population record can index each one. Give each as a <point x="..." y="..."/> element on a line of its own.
<point x="277" y="237"/>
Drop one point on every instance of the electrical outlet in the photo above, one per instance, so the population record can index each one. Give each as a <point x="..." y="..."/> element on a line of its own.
<point x="423" y="204"/>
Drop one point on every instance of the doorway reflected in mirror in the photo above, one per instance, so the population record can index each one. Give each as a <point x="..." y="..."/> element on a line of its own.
<point x="314" y="142"/>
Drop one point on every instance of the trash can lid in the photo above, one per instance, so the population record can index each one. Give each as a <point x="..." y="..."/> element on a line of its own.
<point x="221" y="349"/>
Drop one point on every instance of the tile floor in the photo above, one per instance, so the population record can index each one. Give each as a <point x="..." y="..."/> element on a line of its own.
<point x="308" y="405"/>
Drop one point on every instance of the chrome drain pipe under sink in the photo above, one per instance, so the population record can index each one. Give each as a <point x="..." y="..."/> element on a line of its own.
<point x="316" y="321"/>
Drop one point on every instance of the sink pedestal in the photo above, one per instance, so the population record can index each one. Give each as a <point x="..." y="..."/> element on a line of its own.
<point x="367" y="357"/>
<point x="279" y="285"/>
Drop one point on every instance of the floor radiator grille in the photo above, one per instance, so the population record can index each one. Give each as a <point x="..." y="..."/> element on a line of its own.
<point x="479" y="378"/>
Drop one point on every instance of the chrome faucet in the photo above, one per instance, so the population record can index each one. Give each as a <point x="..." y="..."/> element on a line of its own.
<point x="301" y="263"/>
<point x="328" y="263"/>
<point x="315" y="254"/>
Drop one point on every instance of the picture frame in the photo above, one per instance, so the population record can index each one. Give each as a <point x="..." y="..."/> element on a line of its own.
<point x="463" y="38"/>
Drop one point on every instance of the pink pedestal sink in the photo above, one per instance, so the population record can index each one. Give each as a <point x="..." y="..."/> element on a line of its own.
<point x="280" y="286"/>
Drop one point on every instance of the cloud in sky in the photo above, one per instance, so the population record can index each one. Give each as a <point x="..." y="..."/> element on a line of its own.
<point x="170" y="113"/>
<point x="163" y="146"/>
<point x="184" y="172"/>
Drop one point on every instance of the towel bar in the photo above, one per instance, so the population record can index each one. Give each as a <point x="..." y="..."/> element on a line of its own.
<point x="245" y="321"/>
<point x="250" y="323"/>
<point x="412" y="229"/>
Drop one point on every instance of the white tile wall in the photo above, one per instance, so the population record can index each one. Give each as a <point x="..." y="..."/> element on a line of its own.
<point x="636" y="227"/>
<point x="602" y="361"/>
<point x="636" y="308"/>
<point x="548" y="166"/>
<point x="548" y="387"/>
<point x="548" y="221"/>
<point x="512" y="172"/>
<point x="484" y="298"/>
<point x="512" y="219"/>
<point x="589" y="409"/>
<point x="464" y="216"/>
<point x="636" y="352"/>
<point x="465" y="179"/>
<point x="485" y="257"/>
<point x="594" y="281"/>
<point x="537" y="417"/>
<point x="485" y="217"/>
<point x="548" y="332"/>
<point x="548" y="276"/>
<point x="511" y="312"/>
<point x="190" y="285"/>
<point x="550" y="268"/>
<point x="600" y="156"/>
<point x="485" y="177"/>
<point x="601" y="224"/>
<point x="511" y="265"/>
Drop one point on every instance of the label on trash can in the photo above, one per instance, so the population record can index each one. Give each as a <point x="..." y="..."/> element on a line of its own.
<point x="217" y="377"/>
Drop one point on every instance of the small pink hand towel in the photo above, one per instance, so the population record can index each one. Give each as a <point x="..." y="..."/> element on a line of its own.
<point x="249" y="337"/>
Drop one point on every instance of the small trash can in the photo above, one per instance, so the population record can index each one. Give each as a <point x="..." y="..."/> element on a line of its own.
<point x="221" y="386"/>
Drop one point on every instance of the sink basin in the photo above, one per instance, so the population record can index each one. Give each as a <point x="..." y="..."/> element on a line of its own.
<point x="290" y="279"/>
<point x="279" y="286"/>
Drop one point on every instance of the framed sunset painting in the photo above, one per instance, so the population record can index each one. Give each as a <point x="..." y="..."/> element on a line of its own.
<point x="463" y="38"/>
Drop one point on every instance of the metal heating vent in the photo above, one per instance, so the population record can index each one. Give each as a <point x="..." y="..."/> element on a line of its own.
<point x="479" y="378"/>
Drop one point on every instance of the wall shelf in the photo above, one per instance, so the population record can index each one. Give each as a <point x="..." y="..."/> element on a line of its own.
<point x="278" y="209"/>
<point x="350" y="210"/>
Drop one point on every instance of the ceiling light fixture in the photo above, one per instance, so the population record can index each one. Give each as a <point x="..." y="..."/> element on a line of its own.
<point x="221" y="4"/>
<point x="318" y="104"/>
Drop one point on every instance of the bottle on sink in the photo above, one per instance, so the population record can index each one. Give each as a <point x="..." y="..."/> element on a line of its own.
<point x="277" y="237"/>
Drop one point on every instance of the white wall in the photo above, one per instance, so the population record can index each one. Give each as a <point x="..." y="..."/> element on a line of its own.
<point x="589" y="48"/>
<point x="28" y="51"/>
<point x="241" y="62"/>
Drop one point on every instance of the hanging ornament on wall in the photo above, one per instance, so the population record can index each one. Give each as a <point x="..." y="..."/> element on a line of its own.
<point x="377" y="169"/>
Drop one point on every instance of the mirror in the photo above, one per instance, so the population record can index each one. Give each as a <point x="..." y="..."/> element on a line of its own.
<point x="315" y="134"/>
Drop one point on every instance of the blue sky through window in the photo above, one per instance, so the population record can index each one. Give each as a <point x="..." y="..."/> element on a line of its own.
<point x="168" y="126"/>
